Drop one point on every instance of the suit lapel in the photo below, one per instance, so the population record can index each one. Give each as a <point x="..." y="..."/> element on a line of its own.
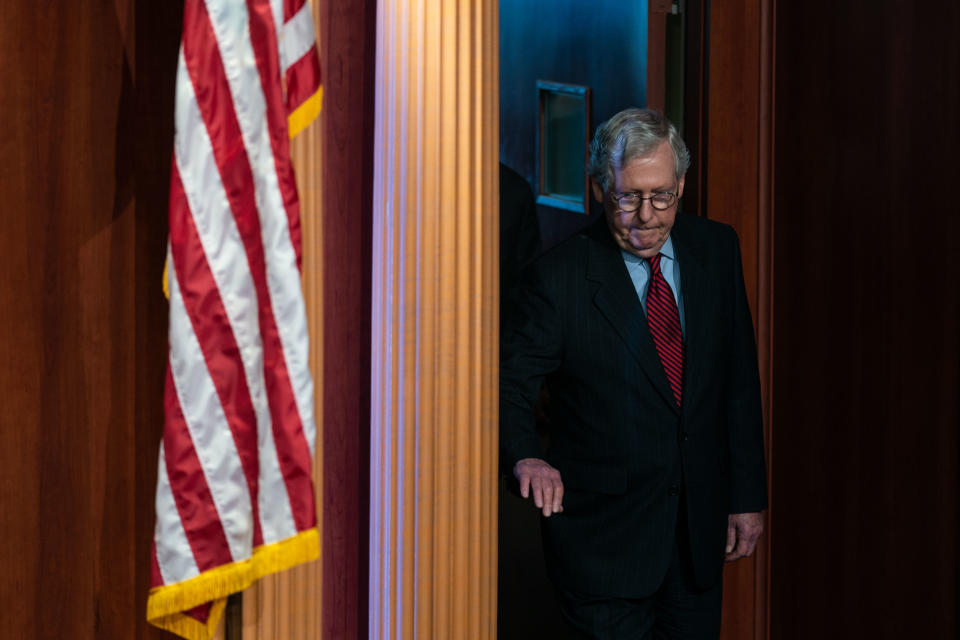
<point x="617" y="300"/>
<point x="696" y="312"/>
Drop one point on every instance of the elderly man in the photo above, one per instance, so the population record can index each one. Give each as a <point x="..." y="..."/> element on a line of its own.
<point x="655" y="473"/>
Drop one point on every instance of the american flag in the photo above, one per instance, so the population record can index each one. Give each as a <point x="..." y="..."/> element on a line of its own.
<point x="235" y="498"/>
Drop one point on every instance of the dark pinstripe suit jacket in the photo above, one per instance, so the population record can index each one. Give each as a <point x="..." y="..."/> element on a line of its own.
<point x="623" y="448"/>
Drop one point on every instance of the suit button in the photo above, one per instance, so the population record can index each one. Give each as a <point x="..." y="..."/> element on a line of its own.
<point x="674" y="490"/>
<point x="684" y="436"/>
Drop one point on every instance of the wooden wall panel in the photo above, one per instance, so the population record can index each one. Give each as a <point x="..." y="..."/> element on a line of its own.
<point x="656" y="88"/>
<point x="150" y="134"/>
<point x="739" y="179"/>
<point x="867" y="313"/>
<point x="87" y="133"/>
<point x="82" y="331"/>
<point x="348" y="48"/>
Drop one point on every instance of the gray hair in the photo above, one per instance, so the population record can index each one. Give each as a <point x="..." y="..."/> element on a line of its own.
<point x="633" y="133"/>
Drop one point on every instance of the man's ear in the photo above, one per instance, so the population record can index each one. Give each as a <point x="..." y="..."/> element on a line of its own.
<point x="683" y="179"/>
<point x="597" y="191"/>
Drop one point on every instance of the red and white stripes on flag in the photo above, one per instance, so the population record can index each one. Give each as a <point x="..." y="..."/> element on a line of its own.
<point x="235" y="498"/>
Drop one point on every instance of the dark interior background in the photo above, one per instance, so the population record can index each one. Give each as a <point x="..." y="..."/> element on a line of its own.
<point x="866" y="391"/>
<point x="601" y="44"/>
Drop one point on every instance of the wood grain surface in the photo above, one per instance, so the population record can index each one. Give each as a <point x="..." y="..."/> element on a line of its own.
<point x="82" y="317"/>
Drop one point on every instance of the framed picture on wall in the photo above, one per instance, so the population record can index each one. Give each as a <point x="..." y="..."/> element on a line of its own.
<point x="563" y="141"/>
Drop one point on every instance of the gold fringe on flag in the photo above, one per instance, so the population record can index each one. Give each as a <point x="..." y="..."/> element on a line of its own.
<point x="166" y="605"/>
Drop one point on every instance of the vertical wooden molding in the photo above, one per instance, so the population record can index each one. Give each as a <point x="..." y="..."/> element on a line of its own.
<point x="697" y="106"/>
<point x="347" y="59"/>
<point x="765" y="278"/>
<point x="434" y="321"/>
<point x="740" y="180"/>
<point x="286" y="605"/>
<point x="657" y="11"/>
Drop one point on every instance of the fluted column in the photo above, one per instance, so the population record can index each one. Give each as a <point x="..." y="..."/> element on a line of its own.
<point x="434" y="321"/>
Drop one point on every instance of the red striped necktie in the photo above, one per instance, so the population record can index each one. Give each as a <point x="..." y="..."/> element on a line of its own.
<point x="663" y="318"/>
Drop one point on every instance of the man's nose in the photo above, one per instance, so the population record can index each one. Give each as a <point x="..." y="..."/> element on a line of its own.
<point x="645" y="211"/>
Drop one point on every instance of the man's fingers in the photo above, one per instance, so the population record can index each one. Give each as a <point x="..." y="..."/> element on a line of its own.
<point x="547" y="498"/>
<point x="744" y="546"/>
<point x="747" y="542"/>
<point x="743" y="549"/>
<point x="737" y="551"/>
<point x="552" y="495"/>
<point x="743" y="531"/>
<point x="541" y="481"/>
<point x="537" y="485"/>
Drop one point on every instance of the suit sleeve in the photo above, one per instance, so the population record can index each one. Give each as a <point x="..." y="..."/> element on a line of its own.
<point x="530" y="349"/>
<point x="748" y="479"/>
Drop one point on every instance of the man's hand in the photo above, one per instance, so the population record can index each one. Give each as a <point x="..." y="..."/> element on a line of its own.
<point x="743" y="530"/>
<point x="545" y="482"/>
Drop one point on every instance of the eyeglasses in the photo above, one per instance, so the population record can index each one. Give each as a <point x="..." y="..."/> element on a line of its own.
<point x="630" y="202"/>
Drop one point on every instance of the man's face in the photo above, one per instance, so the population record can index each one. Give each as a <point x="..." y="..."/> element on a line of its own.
<point x="643" y="231"/>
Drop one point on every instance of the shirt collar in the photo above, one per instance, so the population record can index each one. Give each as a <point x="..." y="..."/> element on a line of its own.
<point x="666" y="250"/>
